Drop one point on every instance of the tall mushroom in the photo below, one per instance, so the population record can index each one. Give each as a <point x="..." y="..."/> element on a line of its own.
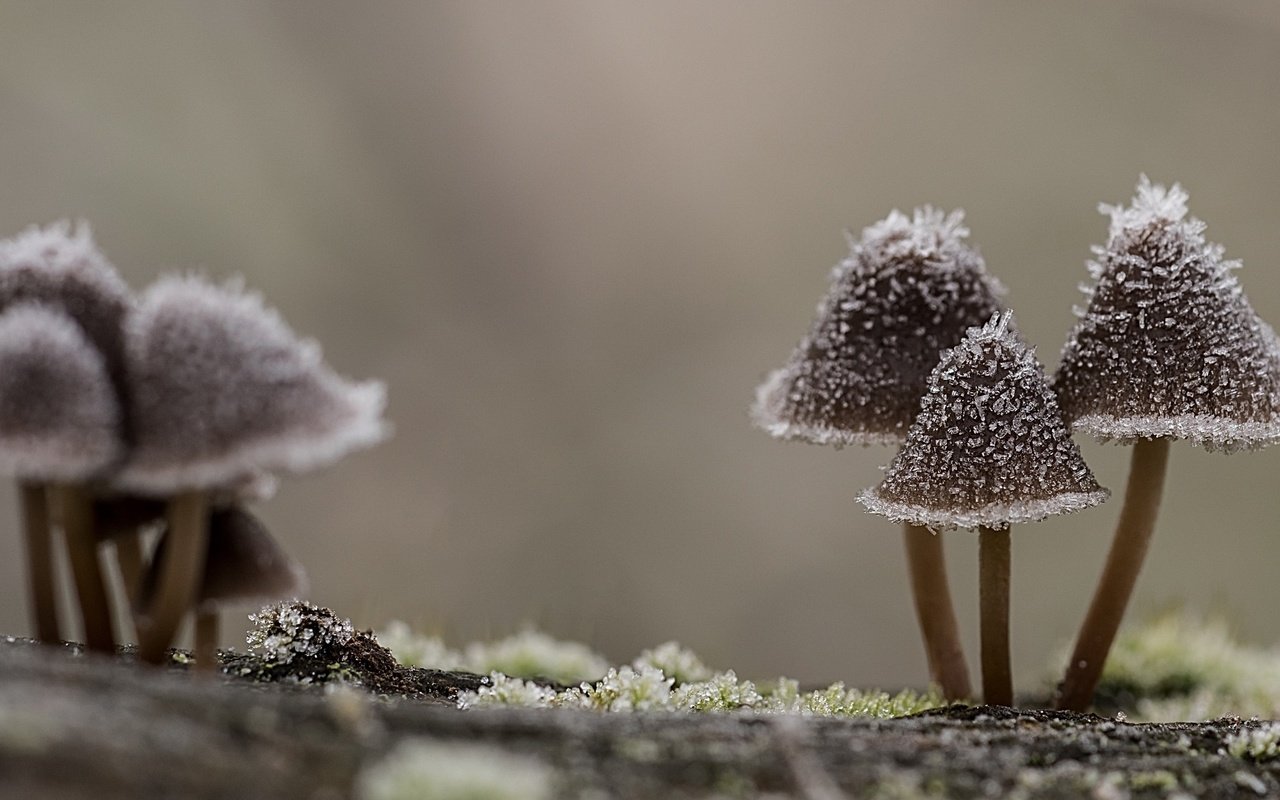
<point x="908" y="290"/>
<point x="989" y="449"/>
<point x="1168" y="348"/>
<point x="61" y="268"/>
<point x="243" y="565"/>
<point x="223" y="390"/>
<point x="59" y="427"/>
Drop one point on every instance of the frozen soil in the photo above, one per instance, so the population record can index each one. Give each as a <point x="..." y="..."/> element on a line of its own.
<point x="74" y="725"/>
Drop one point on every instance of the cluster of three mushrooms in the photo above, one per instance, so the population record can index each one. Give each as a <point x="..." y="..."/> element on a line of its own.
<point x="118" y="412"/>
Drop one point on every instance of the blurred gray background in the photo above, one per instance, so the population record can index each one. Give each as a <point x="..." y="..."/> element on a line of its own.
<point x="573" y="236"/>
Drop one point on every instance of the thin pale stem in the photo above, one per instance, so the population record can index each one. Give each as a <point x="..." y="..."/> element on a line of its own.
<point x="129" y="559"/>
<point x="1124" y="561"/>
<point x="181" y="572"/>
<point x="76" y="512"/>
<point x="993" y="598"/>
<point x="206" y="647"/>
<point x="932" y="595"/>
<point x="35" y="524"/>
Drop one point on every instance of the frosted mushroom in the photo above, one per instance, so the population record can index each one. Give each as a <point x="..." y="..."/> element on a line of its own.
<point x="221" y="390"/>
<point x="1168" y="348"/>
<point x="908" y="290"/>
<point x="243" y="566"/>
<point x="988" y="450"/>
<point x="83" y="298"/>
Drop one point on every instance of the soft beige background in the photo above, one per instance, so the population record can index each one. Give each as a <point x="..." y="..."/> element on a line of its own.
<point x="572" y="236"/>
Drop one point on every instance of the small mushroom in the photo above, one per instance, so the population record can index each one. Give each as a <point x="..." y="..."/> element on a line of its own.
<point x="221" y="390"/>
<point x="60" y="267"/>
<point x="59" y="427"/>
<point x="989" y="449"/>
<point x="243" y="565"/>
<point x="1168" y="348"/>
<point x="909" y="289"/>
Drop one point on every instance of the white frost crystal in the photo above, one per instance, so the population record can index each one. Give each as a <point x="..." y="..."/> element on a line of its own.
<point x="908" y="290"/>
<point x="422" y="769"/>
<point x="990" y="446"/>
<point x="295" y="629"/>
<point x="1169" y="344"/>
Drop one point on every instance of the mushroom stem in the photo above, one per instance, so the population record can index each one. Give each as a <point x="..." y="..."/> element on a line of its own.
<point x="76" y="513"/>
<point x="934" y="612"/>
<point x="129" y="559"/>
<point x="993" y="594"/>
<point x="35" y="524"/>
<point x="206" y="646"/>
<point x="179" y="576"/>
<point x="1124" y="561"/>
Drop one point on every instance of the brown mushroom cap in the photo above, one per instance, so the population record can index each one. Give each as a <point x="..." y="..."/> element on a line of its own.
<point x="222" y="389"/>
<point x="244" y="564"/>
<point x="907" y="291"/>
<point x="59" y="417"/>
<point x="990" y="446"/>
<point x="1169" y="345"/>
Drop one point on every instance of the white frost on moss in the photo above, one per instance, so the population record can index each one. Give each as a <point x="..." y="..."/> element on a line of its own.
<point x="288" y="630"/>
<point x="421" y="769"/>
<point x="721" y="692"/>
<point x="507" y="691"/>
<point x="678" y="663"/>
<point x="1256" y="744"/>
<point x="415" y="650"/>
<point x="528" y="654"/>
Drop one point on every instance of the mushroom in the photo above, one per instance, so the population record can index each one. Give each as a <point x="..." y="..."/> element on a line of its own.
<point x="59" y="424"/>
<point x="60" y="267"/>
<point x="222" y="391"/>
<point x="1168" y="348"/>
<point x="989" y="449"/>
<point x="243" y="565"/>
<point x="908" y="290"/>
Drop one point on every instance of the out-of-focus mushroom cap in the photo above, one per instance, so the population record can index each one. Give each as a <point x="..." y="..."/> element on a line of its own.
<point x="1169" y="345"/>
<point x="989" y="447"/>
<point x="908" y="290"/>
<point x="222" y="389"/>
<point x="61" y="266"/>
<point x="59" y="417"/>
<point x="244" y="564"/>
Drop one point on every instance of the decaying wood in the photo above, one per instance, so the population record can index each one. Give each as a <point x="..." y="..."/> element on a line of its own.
<point x="78" y="725"/>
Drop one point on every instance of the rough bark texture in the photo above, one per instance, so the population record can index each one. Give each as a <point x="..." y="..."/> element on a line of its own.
<point x="80" y="726"/>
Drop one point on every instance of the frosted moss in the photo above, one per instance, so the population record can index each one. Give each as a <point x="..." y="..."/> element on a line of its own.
<point x="679" y="663"/>
<point x="422" y="769"/>
<point x="989" y="447"/>
<point x="289" y="631"/>
<point x="907" y="291"/>
<point x="1256" y="744"/>
<point x="1168" y="344"/>
<point x="527" y="654"/>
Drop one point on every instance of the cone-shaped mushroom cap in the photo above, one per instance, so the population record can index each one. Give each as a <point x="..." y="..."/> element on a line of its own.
<point x="222" y="389"/>
<point x="61" y="267"/>
<point x="908" y="290"/>
<point x="59" y="418"/>
<point x="990" y="446"/>
<point x="1169" y="344"/>
<point x="244" y="565"/>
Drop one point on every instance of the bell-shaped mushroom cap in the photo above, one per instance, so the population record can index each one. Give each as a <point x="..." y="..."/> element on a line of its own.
<point x="222" y="389"/>
<point x="990" y="446"/>
<point x="61" y="267"/>
<point x="908" y="290"/>
<point x="1169" y="344"/>
<point x="59" y="417"/>
<point x="244" y="564"/>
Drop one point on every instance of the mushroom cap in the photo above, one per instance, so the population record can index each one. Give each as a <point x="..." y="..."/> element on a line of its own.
<point x="59" y="417"/>
<point x="60" y="266"/>
<point x="1169" y="345"/>
<point x="908" y="290"/>
<point x="222" y="389"/>
<point x="990" y="446"/>
<point x="244" y="564"/>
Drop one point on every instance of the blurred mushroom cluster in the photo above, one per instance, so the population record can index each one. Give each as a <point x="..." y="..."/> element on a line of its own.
<point x="143" y="424"/>
<point x="1168" y="347"/>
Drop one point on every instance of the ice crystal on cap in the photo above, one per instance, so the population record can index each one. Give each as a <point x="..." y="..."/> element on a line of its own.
<point x="1169" y="344"/>
<point x="222" y="389"/>
<point x="59" y="418"/>
<point x="990" y="446"/>
<point x="907" y="291"/>
<point x="60" y="266"/>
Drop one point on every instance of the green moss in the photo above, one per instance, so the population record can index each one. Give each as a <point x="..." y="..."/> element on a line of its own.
<point x="423" y="769"/>
<point x="1256" y="744"/>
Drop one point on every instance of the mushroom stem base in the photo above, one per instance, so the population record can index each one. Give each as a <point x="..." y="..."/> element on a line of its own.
<point x="35" y="526"/>
<point x="76" y="514"/>
<point x="206" y="644"/>
<point x="1124" y="561"/>
<point x="180" y="575"/>
<point x="993" y="598"/>
<point x="927" y="564"/>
